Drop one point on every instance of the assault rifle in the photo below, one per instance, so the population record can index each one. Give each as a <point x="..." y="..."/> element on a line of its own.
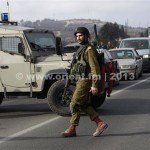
<point x="96" y="35"/>
<point x="100" y="55"/>
<point x="66" y="93"/>
<point x="100" y="58"/>
<point x="74" y="74"/>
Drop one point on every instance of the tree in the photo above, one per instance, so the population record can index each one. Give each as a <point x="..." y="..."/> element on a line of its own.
<point x="111" y="32"/>
<point x="144" y="34"/>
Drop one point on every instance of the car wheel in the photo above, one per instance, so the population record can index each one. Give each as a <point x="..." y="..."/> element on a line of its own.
<point x="1" y="98"/>
<point x="136" y="75"/>
<point x="141" y="73"/>
<point x="116" y="83"/>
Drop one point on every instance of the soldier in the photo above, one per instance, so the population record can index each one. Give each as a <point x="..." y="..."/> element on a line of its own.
<point x="85" y="63"/>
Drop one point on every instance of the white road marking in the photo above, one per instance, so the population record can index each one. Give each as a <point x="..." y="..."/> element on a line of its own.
<point x="28" y="130"/>
<point x="118" y="91"/>
<point x="51" y="120"/>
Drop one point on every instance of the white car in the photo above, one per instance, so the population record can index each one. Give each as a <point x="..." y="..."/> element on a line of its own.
<point x="129" y="61"/>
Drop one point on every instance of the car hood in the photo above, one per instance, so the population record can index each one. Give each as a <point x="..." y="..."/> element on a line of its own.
<point x="125" y="61"/>
<point x="143" y="51"/>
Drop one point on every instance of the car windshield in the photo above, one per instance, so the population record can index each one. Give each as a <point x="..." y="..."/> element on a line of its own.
<point x="137" y="44"/>
<point x="41" y="41"/>
<point x="122" y="54"/>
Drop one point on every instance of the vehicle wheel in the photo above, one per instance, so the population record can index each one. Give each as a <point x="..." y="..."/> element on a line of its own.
<point x="141" y="73"/>
<point x="97" y="101"/>
<point x="1" y="98"/>
<point x="55" y="101"/>
<point x="136" y="75"/>
<point x="116" y="83"/>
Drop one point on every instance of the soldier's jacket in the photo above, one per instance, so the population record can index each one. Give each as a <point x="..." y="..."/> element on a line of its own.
<point x="85" y="62"/>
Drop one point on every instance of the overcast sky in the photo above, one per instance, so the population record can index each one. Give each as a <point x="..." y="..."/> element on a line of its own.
<point x="134" y="12"/>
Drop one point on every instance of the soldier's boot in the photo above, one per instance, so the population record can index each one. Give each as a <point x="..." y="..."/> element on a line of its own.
<point x="101" y="126"/>
<point x="70" y="132"/>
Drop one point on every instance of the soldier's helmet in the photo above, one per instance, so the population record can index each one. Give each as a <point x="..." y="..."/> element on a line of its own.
<point x="82" y="30"/>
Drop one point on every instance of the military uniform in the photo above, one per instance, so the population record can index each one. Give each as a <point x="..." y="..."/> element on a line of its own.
<point x="86" y="67"/>
<point x="81" y="100"/>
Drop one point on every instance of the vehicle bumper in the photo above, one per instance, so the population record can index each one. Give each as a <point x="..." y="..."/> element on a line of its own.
<point x="127" y="73"/>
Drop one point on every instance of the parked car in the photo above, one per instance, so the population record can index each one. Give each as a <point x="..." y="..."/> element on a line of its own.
<point x="129" y="61"/>
<point x="142" y="45"/>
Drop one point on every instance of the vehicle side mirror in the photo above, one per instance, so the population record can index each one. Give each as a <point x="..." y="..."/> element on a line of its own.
<point x="58" y="46"/>
<point x="138" y="57"/>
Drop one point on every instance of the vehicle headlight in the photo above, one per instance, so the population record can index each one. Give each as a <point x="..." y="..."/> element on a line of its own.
<point x="146" y="56"/>
<point x="127" y="66"/>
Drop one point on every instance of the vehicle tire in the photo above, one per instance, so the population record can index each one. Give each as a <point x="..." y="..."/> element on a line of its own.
<point x="97" y="101"/>
<point x="116" y="83"/>
<point x="54" y="98"/>
<point x="1" y="98"/>
<point x="141" y="73"/>
<point x="136" y="75"/>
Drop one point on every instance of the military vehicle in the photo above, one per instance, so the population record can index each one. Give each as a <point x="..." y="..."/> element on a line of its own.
<point x="30" y="61"/>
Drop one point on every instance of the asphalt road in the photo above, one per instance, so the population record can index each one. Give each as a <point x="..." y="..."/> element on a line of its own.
<point x="28" y="124"/>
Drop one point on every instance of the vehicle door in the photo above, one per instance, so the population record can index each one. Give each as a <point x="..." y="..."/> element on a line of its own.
<point x="15" y="69"/>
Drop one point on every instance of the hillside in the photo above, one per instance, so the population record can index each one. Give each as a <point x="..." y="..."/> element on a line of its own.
<point x="65" y="28"/>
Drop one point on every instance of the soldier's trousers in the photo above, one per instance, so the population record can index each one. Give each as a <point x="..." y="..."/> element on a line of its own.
<point x="81" y="102"/>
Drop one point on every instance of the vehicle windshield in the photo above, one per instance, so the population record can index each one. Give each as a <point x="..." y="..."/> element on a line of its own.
<point x="137" y="44"/>
<point x="122" y="54"/>
<point x="41" y="41"/>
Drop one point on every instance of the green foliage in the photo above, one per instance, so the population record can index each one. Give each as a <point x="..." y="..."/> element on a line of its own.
<point x="111" y="32"/>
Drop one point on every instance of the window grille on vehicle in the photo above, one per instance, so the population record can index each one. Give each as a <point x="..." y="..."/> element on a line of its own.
<point x="9" y="44"/>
